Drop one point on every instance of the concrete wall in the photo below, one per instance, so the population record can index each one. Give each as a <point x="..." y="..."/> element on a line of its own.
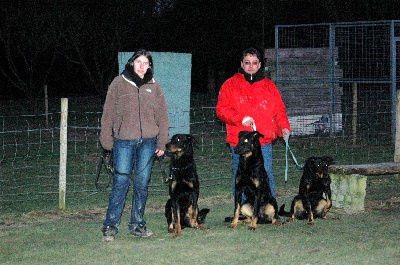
<point x="173" y="72"/>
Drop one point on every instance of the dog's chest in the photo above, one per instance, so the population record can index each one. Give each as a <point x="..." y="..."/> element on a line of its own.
<point x="250" y="179"/>
<point x="182" y="184"/>
<point x="184" y="179"/>
<point x="251" y="173"/>
<point x="317" y="184"/>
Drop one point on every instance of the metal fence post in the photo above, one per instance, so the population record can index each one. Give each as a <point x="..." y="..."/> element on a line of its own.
<point x="397" y="137"/>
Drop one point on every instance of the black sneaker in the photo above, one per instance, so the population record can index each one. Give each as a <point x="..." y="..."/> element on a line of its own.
<point x="142" y="231"/>
<point x="109" y="233"/>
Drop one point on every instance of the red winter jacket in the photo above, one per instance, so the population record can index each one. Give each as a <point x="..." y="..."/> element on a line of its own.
<point x="261" y="100"/>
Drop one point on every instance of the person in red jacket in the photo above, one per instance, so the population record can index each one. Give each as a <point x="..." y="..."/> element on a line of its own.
<point x="249" y="101"/>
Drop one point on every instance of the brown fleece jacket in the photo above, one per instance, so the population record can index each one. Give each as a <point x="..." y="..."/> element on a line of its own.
<point x="131" y="113"/>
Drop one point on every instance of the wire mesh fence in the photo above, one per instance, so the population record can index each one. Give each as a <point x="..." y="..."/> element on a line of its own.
<point x="30" y="157"/>
<point x="338" y="81"/>
<point x="30" y="154"/>
<point x="344" y="73"/>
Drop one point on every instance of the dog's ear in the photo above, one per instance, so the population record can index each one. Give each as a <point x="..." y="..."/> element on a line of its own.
<point x="309" y="163"/>
<point x="328" y="160"/>
<point x="191" y="140"/>
<point x="311" y="159"/>
<point x="241" y="133"/>
<point x="260" y="135"/>
<point x="256" y="134"/>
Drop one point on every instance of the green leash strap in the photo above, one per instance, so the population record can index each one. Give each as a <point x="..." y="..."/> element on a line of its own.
<point x="288" y="150"/>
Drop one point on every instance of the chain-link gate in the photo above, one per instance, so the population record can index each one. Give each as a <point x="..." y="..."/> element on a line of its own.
<point x="339" y="78"/>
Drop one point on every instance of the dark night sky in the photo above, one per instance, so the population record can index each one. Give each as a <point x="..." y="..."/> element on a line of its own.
<point x="213" y="31"/>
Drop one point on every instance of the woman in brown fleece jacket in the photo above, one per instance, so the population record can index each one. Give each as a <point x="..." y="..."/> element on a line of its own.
<point x="135" y="127"/>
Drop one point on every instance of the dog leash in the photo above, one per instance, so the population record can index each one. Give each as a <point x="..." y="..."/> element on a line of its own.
<point x="162" y="168"/>
<point x="288" y="150"/>
<point x="253" y="126"/>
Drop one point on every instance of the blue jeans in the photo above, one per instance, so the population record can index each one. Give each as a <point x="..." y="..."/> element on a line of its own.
<point x="266" y="150"/>
<point x="137" y="155"/>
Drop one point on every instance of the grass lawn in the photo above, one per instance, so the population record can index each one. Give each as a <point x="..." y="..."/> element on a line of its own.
<point x="370" y="237"/>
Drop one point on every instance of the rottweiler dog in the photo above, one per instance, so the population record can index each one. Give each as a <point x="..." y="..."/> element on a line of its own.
<point x="181" y="209"/>
<point x="252" y="181"/>
<point x="314" y="197"/>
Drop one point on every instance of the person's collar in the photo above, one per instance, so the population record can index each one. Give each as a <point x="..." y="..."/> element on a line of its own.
<point x="133" y="77"/>
<point x="259" y="75"/>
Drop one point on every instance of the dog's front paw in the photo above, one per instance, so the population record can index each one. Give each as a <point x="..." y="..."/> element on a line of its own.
<point x="311" y="222"/>
<point x="326" y="210"/>
<point x="177" y="233"/>
<point x="278" y="223"/>
<point x="232" y="225"/>
<point x="252" y="228"/>
<point x="171" y="228"/>
<point x="202" y="227"/>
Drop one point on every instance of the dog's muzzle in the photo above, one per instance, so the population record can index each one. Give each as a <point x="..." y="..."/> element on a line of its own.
<point x="168" y="153"/>
<point x="241" y="151"/>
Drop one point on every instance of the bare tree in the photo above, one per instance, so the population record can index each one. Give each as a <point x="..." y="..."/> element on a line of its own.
<point x="95" y="40"/>
<point x="100" y="32"/>
<point x="31" y="39"/>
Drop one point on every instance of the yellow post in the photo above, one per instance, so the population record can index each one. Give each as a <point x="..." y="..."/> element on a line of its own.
<point x="63" y="153"/>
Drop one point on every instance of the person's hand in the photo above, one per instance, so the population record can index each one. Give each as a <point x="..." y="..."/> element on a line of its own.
<point x="159" y="152"/>
<point x="285" y="133"/>
<point x="248" y="121"/>
<point x="107" y="153"/>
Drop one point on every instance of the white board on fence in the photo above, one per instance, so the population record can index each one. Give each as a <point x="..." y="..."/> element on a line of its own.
<point x="173" y="72"/>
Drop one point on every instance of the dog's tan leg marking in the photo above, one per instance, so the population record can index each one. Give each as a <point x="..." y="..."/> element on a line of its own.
<point x="192" y="216"/>
<point x="327" y="208"/>
<point x="320" y="209"/>
<point x="328" y="204"/>
<point x="171" y="228"/>
<point x="247" y="210"/>
<point x="270" y="212"/>
<point x="297" y="211"/>
<point x="311" y="219"/>
<point x="253" y="223"/>
<point x="178" y="227"/>
<point x="235" y="220"/>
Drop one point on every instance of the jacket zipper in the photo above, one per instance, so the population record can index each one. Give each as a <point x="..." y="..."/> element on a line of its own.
<point x="140" y="119"/>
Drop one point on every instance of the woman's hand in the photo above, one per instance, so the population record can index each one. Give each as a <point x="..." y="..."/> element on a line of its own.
<point x="159" y="152"/>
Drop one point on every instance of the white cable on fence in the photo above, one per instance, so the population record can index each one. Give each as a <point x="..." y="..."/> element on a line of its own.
<point x="63" y="153"/>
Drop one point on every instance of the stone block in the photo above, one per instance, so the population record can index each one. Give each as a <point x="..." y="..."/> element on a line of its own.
<point x="348" y="191"/>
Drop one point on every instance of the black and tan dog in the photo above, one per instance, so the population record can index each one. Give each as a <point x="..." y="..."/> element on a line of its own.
<point x="252" y="181"/>
<point x="181" y="210"/>
<point x="314" y="198"/>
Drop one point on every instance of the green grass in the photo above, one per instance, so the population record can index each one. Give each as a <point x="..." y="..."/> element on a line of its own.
<point x="33" y="231"/>
<point x="366" y="238"/>
<point x="74" y="237"/>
